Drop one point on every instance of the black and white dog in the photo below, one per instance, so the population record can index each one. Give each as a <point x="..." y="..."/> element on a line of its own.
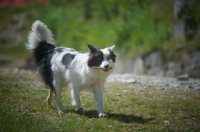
<point x="59" y="66"/>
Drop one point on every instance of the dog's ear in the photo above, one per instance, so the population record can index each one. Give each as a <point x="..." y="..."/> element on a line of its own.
<point x="112" y="47"/>
<point x="92" y="48"/>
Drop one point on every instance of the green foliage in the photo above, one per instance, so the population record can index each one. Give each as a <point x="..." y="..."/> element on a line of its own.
<point x="134" y="26"/>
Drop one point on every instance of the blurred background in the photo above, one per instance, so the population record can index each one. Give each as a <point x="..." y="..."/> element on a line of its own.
<point x="152" y="37"/>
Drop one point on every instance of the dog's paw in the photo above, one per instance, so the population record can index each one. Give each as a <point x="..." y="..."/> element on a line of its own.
<point x="48" y="101"/>
<point x="60" y="114"/>
<point x="79" y="110"/>
<point x="63" y="111"/>
<point x="101" y="115"/>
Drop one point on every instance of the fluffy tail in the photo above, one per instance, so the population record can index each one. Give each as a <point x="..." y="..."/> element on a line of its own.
<point x="41" y="46"/>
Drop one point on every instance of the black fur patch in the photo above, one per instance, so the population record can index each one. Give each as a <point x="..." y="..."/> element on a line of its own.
<point x="67" y="59"/>
<point x="95" y="58"/>
<point x="59" y="49"/>
<point x="112" y="55"/>
<point x="42" y="57"/>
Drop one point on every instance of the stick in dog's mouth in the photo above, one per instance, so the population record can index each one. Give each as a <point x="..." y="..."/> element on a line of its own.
<point x="104" y="69"/>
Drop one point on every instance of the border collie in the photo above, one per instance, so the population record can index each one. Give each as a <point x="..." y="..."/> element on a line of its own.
<point x="59" y="66"/>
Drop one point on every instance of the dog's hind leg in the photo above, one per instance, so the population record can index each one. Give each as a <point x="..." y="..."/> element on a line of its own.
<point x="58" y="88"/>
<point x="49" y="97"/>
<point x="58" y="102"/>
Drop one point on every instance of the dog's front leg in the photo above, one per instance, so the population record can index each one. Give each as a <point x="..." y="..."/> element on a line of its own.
<point x="98" y="94"/>
<point x="76" y="99"/>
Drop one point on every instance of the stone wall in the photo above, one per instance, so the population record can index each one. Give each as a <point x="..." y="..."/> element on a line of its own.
<point x="155" y="64"/>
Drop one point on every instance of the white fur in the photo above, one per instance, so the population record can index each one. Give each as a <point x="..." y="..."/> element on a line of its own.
<point x="78" y="75"/>
<point x="39" y="32"/>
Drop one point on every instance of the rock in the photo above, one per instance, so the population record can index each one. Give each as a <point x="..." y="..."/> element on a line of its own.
<point x="117" y="94"/>
<point x="15" y="85"/>
<point x="138" y="65"/>
<point x="110" y="126"/>
<point x="187" y="59"/>
<point x="179" y="30"/>
<point x="182" y="78"/>
<point x="172" y="69"/>
<point x="153" y="60"/>
<point x="162" y="88"/>
<point x="166" y="123"/>
<point x="132" y="65"/>
<point x="193" y="67"/>
<point x="130" y="81"/>
<point x="125" y="91"/>
<point x="146" y="87"/>
<point x="178" y="9"/>
<point x="5" y="61"/>
<point x="154" y="63"/>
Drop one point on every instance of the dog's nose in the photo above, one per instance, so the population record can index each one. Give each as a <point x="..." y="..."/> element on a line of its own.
<point x="106" y="66"/>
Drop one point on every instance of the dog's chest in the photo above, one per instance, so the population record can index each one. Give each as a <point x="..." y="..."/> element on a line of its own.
<point x="97" y="77"/>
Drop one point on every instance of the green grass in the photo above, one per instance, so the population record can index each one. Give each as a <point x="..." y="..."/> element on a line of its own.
<point x="23" y="108"/>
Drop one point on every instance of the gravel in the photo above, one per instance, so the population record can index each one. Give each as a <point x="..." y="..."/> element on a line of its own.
<point x="142" y="81"/>
<point x="163" y="83"/>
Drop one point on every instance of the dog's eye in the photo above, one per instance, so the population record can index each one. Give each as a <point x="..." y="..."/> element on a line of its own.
<point x="109" y="57"/>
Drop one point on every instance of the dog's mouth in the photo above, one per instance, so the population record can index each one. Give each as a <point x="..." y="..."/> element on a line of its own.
<point x="104" y="69"/>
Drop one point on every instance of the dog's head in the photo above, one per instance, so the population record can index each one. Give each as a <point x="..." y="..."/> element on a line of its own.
<point x="101" y="58"/>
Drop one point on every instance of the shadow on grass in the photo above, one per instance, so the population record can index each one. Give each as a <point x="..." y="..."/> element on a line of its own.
<point x="118" y="116"/>
<point x="129" y="118"/>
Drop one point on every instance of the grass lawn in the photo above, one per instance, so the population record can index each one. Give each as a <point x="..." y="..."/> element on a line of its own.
<point x="23" y="108"/>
